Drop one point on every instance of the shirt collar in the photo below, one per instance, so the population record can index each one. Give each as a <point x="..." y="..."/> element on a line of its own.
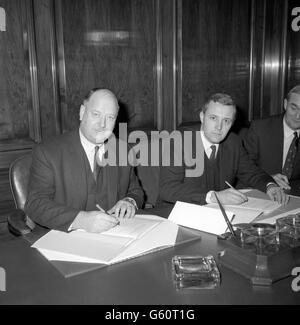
<point x="206" y="143"/>
<point x="87" y="145"/>
<point x="287" y="131"/>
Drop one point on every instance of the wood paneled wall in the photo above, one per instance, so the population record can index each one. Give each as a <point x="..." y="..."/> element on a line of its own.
<point x="215" y="53"/>
<point x="293" y="47"/>
<point x="110" y="44"/>
<point x="161" y="57"/>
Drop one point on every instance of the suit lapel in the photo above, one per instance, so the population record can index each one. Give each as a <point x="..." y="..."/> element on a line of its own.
<point x="277" y="151"/>
<point x="112" y="173"/>
<point x="77" y="165"/>
<point x="224" y="161"/>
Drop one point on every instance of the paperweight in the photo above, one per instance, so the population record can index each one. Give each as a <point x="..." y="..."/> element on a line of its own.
<point x="195" y="272"/>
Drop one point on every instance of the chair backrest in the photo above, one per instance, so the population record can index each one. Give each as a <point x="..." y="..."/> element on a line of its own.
<point x="18" y="177"/>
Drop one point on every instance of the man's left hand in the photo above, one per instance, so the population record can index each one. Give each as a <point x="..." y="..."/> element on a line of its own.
<point x="123" y="210"/>
<point x="277" y="194"/>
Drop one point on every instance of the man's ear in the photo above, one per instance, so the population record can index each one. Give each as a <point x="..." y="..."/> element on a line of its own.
<point x="81" y="112"/>
<point x="201" y="116"/>
<point x="285" y="103"/>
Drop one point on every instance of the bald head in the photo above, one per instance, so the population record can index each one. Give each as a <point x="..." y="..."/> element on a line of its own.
<point x="97" y="94"/>
<point x="98" y="115"/>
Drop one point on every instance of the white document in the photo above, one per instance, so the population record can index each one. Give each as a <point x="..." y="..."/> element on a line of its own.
<point x="241" y="215"/>
<point x="199" y="217"/>
<point x="272" y="220"/>
<point x="134" y="237"/>
<point x="253" y="203"/>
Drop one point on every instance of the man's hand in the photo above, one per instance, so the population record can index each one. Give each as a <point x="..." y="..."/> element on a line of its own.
<point x="122" y="210"/>
<point x="282" y="181"/>
<point x="277" y="194"/>
<point x="94" y="221"/>
<point x="229" y="196"/>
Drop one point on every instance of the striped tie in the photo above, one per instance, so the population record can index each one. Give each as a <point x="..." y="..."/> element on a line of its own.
<point x="213" y="153"/>
<point x="96" y="166"/>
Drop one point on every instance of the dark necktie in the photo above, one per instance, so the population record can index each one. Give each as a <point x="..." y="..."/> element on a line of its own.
<point x="213" y="153"/>
<point x="287" y="169"/>
<point x="96" y="166"/>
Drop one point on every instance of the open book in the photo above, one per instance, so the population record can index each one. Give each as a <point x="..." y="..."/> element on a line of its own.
<point x="132" y="238"/>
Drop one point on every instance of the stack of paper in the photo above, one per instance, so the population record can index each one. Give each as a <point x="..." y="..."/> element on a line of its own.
<point x="199" y="217"/>
<point x="241" y="215"/>
<point x="134" y="237"/>
<point x="256" y="204"/>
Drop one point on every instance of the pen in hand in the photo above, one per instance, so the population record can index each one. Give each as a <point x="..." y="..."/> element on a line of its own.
<point x="102" y="210"/>
<point x="244" y="196"/>
<point x="99" y="208"/>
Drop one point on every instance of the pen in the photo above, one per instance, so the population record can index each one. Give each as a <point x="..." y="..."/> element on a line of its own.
<point x="225" y="217"/>
<point x="99" y="208"/>
<point x="229" y="185"/>
<point x="102" y="210"/>
<point x="235" y="189"/>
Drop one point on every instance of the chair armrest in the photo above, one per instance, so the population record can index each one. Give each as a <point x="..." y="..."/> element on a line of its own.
<point x="19" y="224"/>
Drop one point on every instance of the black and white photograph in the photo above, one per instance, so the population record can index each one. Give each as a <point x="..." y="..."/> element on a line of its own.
<point x="149" y="155"/>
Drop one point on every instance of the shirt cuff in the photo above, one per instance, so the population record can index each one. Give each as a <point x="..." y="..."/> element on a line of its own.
<point x="271" y="184"/>
<point x="208" y="197"/>
<point x="132" y="201"/>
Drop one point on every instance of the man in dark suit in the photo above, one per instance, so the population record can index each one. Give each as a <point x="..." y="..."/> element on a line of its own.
<point x="224" y="160"/>
<point x="67" y="188"/>
<point x="272" y="143"/>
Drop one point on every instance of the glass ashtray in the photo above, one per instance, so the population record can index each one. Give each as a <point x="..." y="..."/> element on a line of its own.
<point x="195" y="272"/>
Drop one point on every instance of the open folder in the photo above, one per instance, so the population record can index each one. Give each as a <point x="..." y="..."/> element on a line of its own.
<point x="133" y="237"/>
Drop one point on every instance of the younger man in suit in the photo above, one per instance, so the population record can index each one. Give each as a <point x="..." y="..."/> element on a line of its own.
<point x="224" y="160"/>
<point x="67" y="189"/>
<point x="272" y="143"/>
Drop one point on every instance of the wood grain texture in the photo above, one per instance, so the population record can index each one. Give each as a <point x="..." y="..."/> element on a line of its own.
<point x="272" y="102"/>
<point x="215" y="53"/>
<point x="13" y="88"/>
<point x="111" y="44"/>
<point x="293" y="74"/>
<point x="45" y="47"/>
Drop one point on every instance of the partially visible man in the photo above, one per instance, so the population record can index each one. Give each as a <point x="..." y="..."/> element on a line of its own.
<point x="272" y="143"/>
<point x="224" y="160"/>
<point x="67" y="188"/>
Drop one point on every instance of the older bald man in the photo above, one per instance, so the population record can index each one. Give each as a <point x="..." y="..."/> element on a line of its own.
<point x="67" y="188"/>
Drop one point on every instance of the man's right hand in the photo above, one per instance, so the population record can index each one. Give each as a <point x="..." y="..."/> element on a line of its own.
<point x="282" y="181"/>
<point x="230" y="196"/>
<point x="94" y="221"/>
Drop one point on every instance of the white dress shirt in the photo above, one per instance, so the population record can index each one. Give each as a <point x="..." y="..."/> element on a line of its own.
<point x="207" y="145"/>
<point x="89" y="149"/>
<point x="207" y="148"/>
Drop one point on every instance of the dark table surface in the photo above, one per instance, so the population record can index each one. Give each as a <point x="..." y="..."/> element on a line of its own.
<point x="146" y="280"/>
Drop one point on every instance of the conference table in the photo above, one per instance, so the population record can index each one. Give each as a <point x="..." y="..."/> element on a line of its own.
<point x="145" y="280"/>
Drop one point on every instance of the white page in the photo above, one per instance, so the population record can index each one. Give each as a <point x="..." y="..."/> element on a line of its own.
<point x="98" y="248"/>
<point x="164" y="235"/>
<point x="262" y="205"/>
<point x="241" y="215"/>
<point x="199" y="217"/>
<point x="272" y="220"/>
<point x="56" y="256"/>
<point x="134" y="228"/>
<point x="102" y="249"/>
